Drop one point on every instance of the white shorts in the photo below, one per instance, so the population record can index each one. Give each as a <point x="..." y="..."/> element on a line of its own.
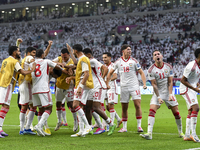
<point x="126" y="93"/>
<point x="112" y="97"/>
<point x="25" y="90"/>
<point x="43" y="99"/>
<point x="103" y="96"/>
<point x="190" y="97"/>
<point x="6" y="94"/>
<point x="64" y="95"/>
<point x="95" y="95"/>
<point x="83" y="97"/>
<point x="165" y="98"/>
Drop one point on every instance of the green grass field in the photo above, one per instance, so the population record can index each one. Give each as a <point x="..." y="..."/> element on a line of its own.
<point x="165" y="134"/>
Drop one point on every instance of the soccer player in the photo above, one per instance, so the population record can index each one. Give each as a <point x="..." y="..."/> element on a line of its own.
<point x="83" y="84"/>
<point x="188" y="88"/>
<point x="41" y="90"/>
<point x="111" y="95"/>
<point x="63" y="90"/>
<point x="95" y="95"/>
<point x="127" y="67"/>
<point x="161" y="76"/>
<point x="9" y="72"/>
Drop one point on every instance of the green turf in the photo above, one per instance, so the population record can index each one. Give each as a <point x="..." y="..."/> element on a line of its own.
<point x="165" y="134"/>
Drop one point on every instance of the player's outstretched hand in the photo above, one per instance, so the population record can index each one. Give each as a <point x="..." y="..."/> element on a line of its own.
<point x="160" y="101"/>
<point x="20" y="40"/>
<point x="198" y="85"/>
<point x="50" y="42"/>
<point x="108" y="87"/>
<point x="69" y="48"/>
<point x="197" y="90"/>
<point x="79" y="91"/>
<point x="61" y="65"/>
<point x="68" y="80"/>
<point x="144" y="87"/>
<point x="170" y="97"/>
<point x="70" y="72"/>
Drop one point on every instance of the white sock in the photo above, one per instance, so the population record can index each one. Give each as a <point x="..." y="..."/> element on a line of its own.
<point x="59" y="114"/>
<point x="108" y="121"/>
<point x="64" y="115"/>
<point x="151" y="121"/>
<point x="1" y="123"/>
<point x="194" y="122"/>
<point x="188" y="126"/>
<point x="97" y="119"/>
<point x="117" y="116"/>
<point x="139" y="121"/>
<point x="81" y="125"/>
<point x="81" y="116"/>
<point x="46" y="125"/>
<point x="112" y="115"/>
<point x="30" y="119"/>
<point x="22" y="119"/>
<point x="179" y="125"/>
<point x="43" y="119"/>
<point x="124" y="125"/>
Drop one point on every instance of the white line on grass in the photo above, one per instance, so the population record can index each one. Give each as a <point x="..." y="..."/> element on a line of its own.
<point x="193" y="148"/>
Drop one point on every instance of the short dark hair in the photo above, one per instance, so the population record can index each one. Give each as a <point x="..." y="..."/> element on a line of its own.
<point x="78" y="47"/>
<point x="12" y="49"/>
<point x="156" y="51"/>
<point x="87" y="51"/>
<point x="30" y="49"/>
<point x="64" y="50"/>
<point x="125" y="46"/>
<point x="197" y="52"/>
<point x="57" y="72"/>
<point x="39" y="53"/>
<point x="108" y="54"/>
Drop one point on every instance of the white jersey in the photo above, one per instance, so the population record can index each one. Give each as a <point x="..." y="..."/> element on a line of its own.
<point x="40" y="77"/>
<point x="192" y="73"/>
<point x="96" y="74"/>
<point x="27" y="62"/>
<point x="161" y="76"/>
<point x="127" y="71"/>
<point x="112" y="84"/>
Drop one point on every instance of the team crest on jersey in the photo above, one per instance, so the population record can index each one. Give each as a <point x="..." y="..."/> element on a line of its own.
<point x="166" y="71"/>
<point x="193" y="100"/>
<point x="130" y="64"/>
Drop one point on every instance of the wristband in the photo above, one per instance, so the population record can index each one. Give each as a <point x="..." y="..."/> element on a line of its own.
<point x="81" y="85"/>
<point x="158" y="97"/>
<point x="61" y="68"/>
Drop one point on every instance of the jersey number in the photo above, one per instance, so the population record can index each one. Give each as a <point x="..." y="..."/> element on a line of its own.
<point x="38" y="71"/>
<point x="126" y="69"/>
<point x="162" y="75"/>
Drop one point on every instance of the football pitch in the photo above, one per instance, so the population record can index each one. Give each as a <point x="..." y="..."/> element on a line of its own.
<point x="165" y="133"/>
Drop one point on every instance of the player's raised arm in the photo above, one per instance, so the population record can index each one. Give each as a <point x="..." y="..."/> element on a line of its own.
<point x="141" y="72"/>
<point x="71" y="54"/>
<point x="46" y="52"/>
<point x="18" y="42"/>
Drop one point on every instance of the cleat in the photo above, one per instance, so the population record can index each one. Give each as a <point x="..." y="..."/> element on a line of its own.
<point x="147" y="136"/>
<point x="111" y="129"/>
<point x="95" y="125"/>
<point x="31" y="127"/>
<point x="3" y="133"/>
<point x="59" y="124"/>
<point x="107" y="128"/>
<point x="79" y="134"/>
<point x="21" y="132"/>
<point x="75" y="128"/>
<point x="122" y="130"/>
<point x="99" y="131"/>
<point x="66" y="124"/>
<point x="2" y="136"/>
<point x="139" y="130"/>
<point x="39" y="130"/>
<point x="181" y="135"/>
<point x="87" y="130"/>
<point x="119" y="123"/>
<point x="28" y="131"/>
<point x="45" y="133"/>
<point x="47" y="130"/>
<point x="187" y="138"/>
<point x="195" y="138"/>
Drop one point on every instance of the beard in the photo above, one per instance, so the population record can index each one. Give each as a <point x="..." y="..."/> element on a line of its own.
<point x="18" y="56"/>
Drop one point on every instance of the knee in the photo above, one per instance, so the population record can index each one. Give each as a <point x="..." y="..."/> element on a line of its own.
<point x="137" y="106"/>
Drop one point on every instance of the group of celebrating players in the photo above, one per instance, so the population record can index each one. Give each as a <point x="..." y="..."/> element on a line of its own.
<point x="84" y="83"/>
